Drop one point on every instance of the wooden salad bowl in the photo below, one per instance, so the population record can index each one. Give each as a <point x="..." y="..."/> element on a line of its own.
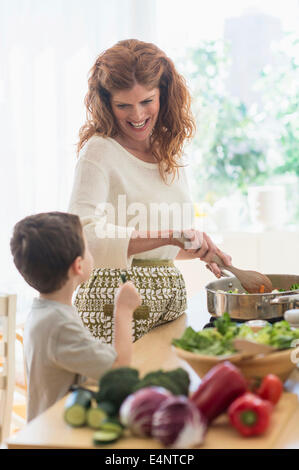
<point x="280" y="363"/>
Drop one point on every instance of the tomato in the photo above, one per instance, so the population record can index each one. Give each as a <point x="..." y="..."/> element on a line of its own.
<point x="270" y="389"/>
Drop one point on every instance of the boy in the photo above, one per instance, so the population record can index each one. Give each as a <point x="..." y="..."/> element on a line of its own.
<point x="51" y="253"/>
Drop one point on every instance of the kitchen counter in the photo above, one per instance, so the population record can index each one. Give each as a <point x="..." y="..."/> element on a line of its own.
<point x="151" y="352"/>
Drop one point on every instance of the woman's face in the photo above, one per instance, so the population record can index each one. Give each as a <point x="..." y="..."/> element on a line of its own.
<point x="136" y="112"/>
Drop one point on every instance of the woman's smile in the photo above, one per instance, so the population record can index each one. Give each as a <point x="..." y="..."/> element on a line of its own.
<point x="139" y="126"/>
<point x="136" y="112"/>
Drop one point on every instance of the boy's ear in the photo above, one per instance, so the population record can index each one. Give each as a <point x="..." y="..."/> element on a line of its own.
<point x="76" y="266"/>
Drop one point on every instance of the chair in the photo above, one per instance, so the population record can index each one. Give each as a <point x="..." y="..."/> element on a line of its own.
<point x="7" y="367"/>
<point x="19" y="410"/>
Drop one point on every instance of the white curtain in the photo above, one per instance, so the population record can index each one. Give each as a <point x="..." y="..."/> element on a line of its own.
<point x="47" y="48"/>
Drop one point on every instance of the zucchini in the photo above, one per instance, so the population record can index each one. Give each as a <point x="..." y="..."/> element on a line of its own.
<point x="76" y="407"/>
<point x="95" y="417"/>
<point x="112" y="425"/>
<point x="105" y="437"/>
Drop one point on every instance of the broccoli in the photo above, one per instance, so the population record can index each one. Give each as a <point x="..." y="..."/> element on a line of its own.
<point x="116" y="385"/>
<point x="181" y="377"/>
<point x="176" y="381"/>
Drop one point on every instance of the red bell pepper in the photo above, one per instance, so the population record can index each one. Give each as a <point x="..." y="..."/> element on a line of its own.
<point x="270" y="388"/>
<point x="250" y="415"/>
<point x="217" y="390"/>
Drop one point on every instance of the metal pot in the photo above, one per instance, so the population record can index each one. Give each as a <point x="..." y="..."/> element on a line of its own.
<point x="243" y="306"/>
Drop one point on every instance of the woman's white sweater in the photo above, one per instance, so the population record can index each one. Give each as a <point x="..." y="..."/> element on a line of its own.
<point x="115" y="192"/>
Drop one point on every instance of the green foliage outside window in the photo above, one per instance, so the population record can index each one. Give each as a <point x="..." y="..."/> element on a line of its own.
<point x="279" y="87"/>
<point x="231" y="148"/>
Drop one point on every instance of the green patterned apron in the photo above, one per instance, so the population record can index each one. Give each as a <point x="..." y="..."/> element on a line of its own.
<point x="160" y="284"/>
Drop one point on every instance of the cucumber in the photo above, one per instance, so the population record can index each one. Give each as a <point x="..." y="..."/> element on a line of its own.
<point x="105" y="437"/>
<point x="95" y="417"/>
<point x="112" y="425"/>
<point x="76" y="407"/>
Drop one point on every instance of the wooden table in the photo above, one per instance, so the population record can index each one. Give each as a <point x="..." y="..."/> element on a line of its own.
<point x="151" y="352"/>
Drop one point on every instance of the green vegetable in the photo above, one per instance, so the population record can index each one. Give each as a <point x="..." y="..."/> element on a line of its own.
<point x="219" y="341"/>
<point x="227" y="328"/>
<point x="105" y="437"/>
<point x="112" y="425"/>
<point x="282" y="335"/>
<point x="110" y="431"/>
<point x="263" y="335"/>
<point x="181" y="379"/>
<point x="224" y="324"/>
<point x="209" y="341"/>
<point x="294" y="287"/>
<point x="246" y="332"/>
<point x="76" y="406"/>
<point x="95" y="416"/>
<point x="116" y="385"/>
<point x="176" y="381"/>
<point x="108" y="407"/>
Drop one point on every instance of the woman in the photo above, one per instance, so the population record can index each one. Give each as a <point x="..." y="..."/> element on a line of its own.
<point x="130" y="187"/>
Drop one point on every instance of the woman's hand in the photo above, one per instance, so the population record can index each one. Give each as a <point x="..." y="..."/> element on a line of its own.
<point x="199" y="245"/>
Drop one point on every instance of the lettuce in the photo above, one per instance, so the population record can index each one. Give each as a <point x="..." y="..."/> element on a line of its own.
<point x="246" y="332"/>
<point x="219" y="340"/>
<point x="208" y="341"/>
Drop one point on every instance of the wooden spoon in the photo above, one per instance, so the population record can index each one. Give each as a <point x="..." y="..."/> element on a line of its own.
<point x="250" y="280"/>
<point x="251" y="348"/>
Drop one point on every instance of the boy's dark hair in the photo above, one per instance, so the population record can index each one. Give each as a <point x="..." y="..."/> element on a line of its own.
<point x="44" y="246"/>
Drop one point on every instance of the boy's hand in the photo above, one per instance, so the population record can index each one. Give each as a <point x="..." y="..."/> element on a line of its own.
<point x="127" y="297"/>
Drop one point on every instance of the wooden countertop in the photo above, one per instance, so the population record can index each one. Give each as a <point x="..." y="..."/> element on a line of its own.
<point x="151" y="352"/>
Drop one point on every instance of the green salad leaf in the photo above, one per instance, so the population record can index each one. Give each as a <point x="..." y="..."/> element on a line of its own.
<point x="219" y="340"/>
<point x="294" y="287"/>
<point x="223" y="323"/>
<point x="282" y="335"/>
<point x="208" y="341"/>
<point x="246" y="332"/>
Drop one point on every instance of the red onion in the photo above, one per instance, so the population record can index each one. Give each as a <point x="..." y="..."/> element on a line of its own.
<point x="137" y="410"/>
<point x="178" y="423"/>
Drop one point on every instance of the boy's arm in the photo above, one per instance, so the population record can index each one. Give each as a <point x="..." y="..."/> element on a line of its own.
<point x="123" y="339"/>
<point x="127" y="299"/>
<point x="75" y="349"/>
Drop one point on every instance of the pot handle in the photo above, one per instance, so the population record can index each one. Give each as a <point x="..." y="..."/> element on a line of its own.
<point x="284" y="299"/>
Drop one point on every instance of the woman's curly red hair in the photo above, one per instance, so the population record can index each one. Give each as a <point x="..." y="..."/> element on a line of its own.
<point x="120" y="68"/>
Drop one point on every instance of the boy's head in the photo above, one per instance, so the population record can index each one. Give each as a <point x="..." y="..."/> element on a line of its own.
<point x="45" y="246"/>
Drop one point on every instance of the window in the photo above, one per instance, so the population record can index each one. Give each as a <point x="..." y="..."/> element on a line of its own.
<point x="241" y="62"/>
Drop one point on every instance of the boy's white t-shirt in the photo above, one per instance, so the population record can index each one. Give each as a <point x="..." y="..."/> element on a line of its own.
<point x="59" y="351"/>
